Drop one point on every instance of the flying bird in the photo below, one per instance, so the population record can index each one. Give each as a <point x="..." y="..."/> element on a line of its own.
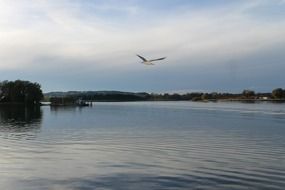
<point x="149" y="62"/>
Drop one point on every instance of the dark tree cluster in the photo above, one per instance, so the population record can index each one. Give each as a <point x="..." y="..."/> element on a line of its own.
<point x="62" y="100"/>
<point x="175" y="96"/>
<point x="278" y="93"/>
<point x="248" y="93"/>
<point x="20" y="91"/>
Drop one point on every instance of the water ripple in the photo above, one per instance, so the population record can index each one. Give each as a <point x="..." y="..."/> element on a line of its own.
<point x="173" y="146"/>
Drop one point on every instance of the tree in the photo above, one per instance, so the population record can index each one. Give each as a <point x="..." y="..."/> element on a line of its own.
<point x="278" y="93"/>
<point x="206" y="96"/>
<point x="33" y="93"/>
<point x="20" y="92"/>
<point x="248" y="93"/>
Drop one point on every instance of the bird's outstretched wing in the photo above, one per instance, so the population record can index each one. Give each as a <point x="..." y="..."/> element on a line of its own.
<point x="157" y="59"/>
<point x="144" y="59"/>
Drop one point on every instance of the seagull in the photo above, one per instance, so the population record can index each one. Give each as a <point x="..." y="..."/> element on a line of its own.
<point x="149" y="62"/>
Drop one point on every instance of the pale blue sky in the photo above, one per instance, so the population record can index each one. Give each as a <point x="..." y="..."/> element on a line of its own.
<point x="211" y="45"/>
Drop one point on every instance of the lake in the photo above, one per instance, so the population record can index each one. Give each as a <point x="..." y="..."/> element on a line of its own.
<point x="143" y="145"/>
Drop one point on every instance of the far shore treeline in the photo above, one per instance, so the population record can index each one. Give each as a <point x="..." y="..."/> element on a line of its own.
<point x="276" y="95"/>
<point x="30" y="93"/>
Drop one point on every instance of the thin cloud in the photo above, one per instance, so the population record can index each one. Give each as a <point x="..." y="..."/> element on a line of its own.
<point x="41" y="35"/>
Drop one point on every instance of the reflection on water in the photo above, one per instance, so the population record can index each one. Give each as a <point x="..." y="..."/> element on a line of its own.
<point x="143" y="145"/>
<point x="122" y="181"/>
<point x="64" y="108"/>
<point x="18" y="118"/>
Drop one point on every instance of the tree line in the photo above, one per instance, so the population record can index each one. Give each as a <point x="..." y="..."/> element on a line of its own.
<point x="276" y="94"/>
<point x="26" y="92"/>
<point x="19" y="91"/>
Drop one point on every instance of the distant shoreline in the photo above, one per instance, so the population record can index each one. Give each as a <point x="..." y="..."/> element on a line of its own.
<point x="198" y="101"/>
<point x="244" y="100"/>
<point x="277" y="95"/>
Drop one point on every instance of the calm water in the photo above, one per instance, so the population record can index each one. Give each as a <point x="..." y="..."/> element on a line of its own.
<point x="143" y="145"/>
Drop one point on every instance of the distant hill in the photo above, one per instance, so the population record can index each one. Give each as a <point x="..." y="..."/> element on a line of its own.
<point x="91" y="93"/>
<point x="276" y="95"/>
<point x="101" y="95"/>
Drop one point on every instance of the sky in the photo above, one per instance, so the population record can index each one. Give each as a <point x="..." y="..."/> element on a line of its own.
<point x="210" y="45"/>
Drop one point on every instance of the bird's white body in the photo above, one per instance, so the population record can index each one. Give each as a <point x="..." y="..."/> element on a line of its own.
<point x="149" y="62"/>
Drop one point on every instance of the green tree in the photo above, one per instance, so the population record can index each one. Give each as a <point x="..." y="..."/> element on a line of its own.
<point x="206" y="96"/>
<point x="278" y="93"/>
<point x="248" y="93"/>
<point x="20" y="92"/>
